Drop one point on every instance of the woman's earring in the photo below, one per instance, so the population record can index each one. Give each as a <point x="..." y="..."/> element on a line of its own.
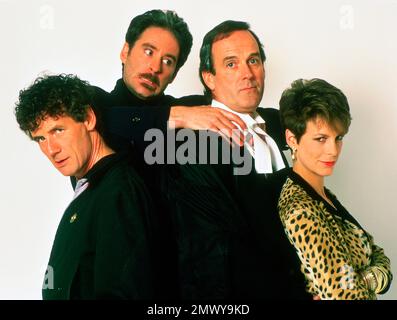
<point x="293" y="155"/>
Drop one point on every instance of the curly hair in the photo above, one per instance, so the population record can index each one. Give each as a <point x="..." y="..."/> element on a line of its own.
<point x="307" y="100"/>
<point x="53" y="96"/>
<point x="166" y="19"/>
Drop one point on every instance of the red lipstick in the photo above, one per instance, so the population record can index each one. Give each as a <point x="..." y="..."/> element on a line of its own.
<point x="329" y="164"/>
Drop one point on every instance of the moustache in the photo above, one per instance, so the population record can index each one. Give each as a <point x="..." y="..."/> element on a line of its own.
<point x="151" y="77"/>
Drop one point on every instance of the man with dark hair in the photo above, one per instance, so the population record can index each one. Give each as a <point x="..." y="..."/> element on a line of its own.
<point x="232" y="70"/>
<point x="226" y="250"/>
<point x="231" y="241"/>
<point x="103" y="248"/>
<point x="161" y="21"/>
<point x="220" y="32"/>
<point x="157" y="44"/>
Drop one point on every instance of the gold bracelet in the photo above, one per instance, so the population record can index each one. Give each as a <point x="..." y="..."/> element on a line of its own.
<point x="370" y="280"/>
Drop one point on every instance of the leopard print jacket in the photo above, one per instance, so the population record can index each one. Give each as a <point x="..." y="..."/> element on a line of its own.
<point x="338" y="258"/>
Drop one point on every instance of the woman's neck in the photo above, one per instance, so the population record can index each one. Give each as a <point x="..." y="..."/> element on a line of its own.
<point x="314" y="180"/>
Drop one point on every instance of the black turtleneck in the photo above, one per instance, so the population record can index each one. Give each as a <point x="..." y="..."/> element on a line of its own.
<point x="121" y="95"/>
<point x="126" y="117"/>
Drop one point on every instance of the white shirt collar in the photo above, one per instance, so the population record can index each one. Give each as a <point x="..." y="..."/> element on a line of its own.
<point x="268" y="157"/>
<point x="249" y="120"/>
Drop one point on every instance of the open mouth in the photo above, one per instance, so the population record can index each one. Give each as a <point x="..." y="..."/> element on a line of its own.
<point x="149" y="82"/>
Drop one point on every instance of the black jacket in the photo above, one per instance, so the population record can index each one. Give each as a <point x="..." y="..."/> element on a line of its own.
<point x="230" y="238"/>
<point x="124" y="120"/>
<point x="228" y="246"/>
<point x="103" y="248"/>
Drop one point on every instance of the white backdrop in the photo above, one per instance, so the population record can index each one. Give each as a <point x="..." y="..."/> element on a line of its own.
<point x="350" y="43"/>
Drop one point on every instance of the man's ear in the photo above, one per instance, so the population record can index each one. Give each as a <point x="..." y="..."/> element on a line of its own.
<point x="209" y="79"/>
<point x="291" y="139"/>
<point x="124" y="52"/>
<point x="90" y="121"/>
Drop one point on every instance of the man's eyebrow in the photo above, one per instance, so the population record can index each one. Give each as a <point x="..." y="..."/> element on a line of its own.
<point x="151" y="46"/>
<point x="34" y="138"/>
<point x="56" y="126"/>
<point x="255" y="54"/>
<point x="229" y="58"/>
<point x="147" y="44"/>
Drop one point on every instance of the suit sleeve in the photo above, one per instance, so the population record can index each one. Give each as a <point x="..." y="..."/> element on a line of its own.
<point x="132" y="122"/>
<point x="123" y="261"/>
<point x="329" y="267"/>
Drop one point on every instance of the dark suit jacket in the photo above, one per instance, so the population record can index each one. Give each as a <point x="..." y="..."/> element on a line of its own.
<point x="230" y="239"/>
<point x="227" y="245"/>
<point x="124" y="119"/>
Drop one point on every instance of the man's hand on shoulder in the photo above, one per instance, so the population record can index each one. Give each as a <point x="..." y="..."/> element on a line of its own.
<point x="208" y="118"/>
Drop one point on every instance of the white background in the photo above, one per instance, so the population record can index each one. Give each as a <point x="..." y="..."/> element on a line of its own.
<point x="350" y="43"/>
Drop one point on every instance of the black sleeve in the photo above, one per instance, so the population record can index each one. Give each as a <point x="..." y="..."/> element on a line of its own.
<point x="132" y="122"/>
<point x="124" y="262"/>
<point x="121" y="122"/>
<point x="128" y="124"/>
<point x="192" y="100"/>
